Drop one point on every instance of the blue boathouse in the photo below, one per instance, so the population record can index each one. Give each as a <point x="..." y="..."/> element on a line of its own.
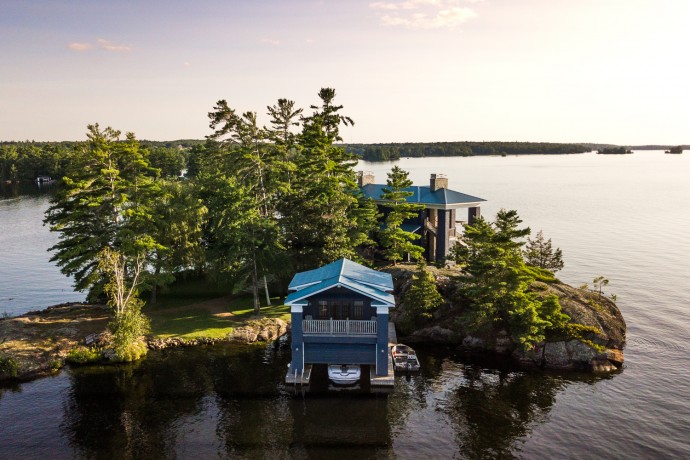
<point x="340" y="316"/>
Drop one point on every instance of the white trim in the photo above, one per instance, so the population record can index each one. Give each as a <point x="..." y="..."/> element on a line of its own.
<point x="297" y="308"/>
<point x="382" y="310"/>
<point x="302" y="286"/>
<point x="470" y="204"/>
<point x="454" y="205"/>
<point x="339" y="284"/>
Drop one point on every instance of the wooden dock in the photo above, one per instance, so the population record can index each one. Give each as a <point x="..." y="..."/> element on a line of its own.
<point x="303" y="379"/>
<point x="376" y="380"/>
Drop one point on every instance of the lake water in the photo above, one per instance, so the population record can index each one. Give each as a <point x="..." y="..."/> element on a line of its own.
<point x="626" y="217"/>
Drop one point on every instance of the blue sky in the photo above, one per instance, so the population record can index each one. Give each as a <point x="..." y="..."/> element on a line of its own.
<point x="415" y="70"/>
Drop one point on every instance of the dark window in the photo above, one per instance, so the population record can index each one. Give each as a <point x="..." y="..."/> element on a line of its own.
<point x="345" y="310"/>
<point x="323" y="309"/>
<point x="358" y="310"/>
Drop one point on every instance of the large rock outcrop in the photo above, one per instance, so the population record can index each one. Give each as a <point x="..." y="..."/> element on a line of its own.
<point x="600" y="351"/>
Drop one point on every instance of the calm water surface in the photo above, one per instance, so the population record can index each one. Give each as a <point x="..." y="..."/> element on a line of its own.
<point x="626" y="217"/>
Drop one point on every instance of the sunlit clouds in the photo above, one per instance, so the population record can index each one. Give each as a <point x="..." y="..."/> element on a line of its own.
<point x="271" y="41"/>
<point x="102" y="44"/>
<point x="424" y="14"/>
<point x="111" y="46"/>
<point x="79" y="46"/>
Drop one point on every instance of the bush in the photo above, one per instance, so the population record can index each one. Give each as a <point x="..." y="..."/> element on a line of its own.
<point x="131" y="351"/>
<point x="128" y="329"/>
<point x="83" y="355"/>
<point x="8" y="367"/>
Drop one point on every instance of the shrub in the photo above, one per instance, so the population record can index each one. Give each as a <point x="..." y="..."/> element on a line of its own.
<point x="8" y="367"/>
<point x="128" y="329"/>
<point x="83" y="355"/>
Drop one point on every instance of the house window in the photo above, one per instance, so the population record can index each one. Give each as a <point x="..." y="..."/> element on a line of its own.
<point x="345" y="310"/>
<point x="323" y="309"/>
<point x="358" y="309"/>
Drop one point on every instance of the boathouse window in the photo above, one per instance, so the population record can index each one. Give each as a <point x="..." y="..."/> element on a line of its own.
<point x="323" y="309"/>
<point x="358" y="309"/>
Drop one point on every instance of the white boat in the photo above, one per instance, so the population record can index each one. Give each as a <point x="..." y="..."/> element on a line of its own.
<point x="404" y="358"/>
<point x="344" y="374"/>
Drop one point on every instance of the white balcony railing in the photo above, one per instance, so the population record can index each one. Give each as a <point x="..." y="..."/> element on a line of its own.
<point x="338" y="327"/>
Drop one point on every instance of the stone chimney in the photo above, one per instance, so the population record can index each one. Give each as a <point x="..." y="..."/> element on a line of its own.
<point x="365" y="178"/>
<point x="437" y="182"/>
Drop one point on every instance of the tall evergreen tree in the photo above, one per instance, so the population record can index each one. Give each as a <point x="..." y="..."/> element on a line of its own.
<point x="246" y="156"/>
<point x="497" y="283"/>
<point x="323" y="218"/>
<point x="396" y="241"/>
<point x="106" y="202"/>
<point x="179" y="219"/>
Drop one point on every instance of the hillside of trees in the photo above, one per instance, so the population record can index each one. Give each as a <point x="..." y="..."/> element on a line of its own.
<point x="395" y="151"/>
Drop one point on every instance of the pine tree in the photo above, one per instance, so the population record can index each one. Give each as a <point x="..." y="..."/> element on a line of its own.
<point x="497" y="285"/>
<point x="396" y="241"/>
<point x="539" y="253"/>
<point x="323" y="216"/>
<point x="106" y="202"/>
<point x="422" y="298"/>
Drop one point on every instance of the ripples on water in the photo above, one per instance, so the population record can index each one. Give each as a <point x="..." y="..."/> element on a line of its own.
<point x="625" y="217"/>
<point x="28" y="280"/>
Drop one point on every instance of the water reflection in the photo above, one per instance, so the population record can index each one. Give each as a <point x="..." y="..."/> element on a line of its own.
<point x="225" y="401"/>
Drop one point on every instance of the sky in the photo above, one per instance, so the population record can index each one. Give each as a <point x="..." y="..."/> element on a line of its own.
<point x="605" y="71"/>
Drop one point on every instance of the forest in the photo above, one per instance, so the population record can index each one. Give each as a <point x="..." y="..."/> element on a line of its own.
<point x="395" y="151"/>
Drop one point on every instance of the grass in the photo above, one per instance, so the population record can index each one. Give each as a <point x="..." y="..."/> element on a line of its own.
<point x="194" y="320"/>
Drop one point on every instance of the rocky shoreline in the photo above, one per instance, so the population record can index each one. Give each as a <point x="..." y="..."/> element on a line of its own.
<point x="594" y="352"/>
<point x="37" y="343"/>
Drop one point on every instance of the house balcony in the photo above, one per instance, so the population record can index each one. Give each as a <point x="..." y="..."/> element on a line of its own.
<point x="338" y="327"/>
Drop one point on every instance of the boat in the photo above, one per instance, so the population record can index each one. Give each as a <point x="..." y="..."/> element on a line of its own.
<point x="344" y="374"/>
<point x="404" y="358"/>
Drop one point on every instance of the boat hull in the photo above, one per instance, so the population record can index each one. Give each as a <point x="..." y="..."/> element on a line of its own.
<point x="344" y="374"/>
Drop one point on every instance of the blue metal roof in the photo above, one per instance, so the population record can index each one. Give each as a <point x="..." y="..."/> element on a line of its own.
<point x="343" y="272"/>
<point x="423" y="195"/>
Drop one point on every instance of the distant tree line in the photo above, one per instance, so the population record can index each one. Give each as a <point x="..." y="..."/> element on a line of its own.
<point x="25" y="161"/>
<point x="395" y="151"/>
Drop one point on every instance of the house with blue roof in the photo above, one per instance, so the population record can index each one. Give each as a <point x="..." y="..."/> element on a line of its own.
<point x="436" y="223"/>
<point x="340" y="316"/>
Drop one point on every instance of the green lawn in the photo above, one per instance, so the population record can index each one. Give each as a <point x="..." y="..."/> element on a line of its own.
<point x="196" y="307"/>
<point x="195" y="321"/>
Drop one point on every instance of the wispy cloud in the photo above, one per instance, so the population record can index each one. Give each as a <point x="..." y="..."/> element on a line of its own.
<point x="80" y="46"/>
<point x="271" y="41"/>
<point x="110" y="46"/>
<point x="424" y="14"/>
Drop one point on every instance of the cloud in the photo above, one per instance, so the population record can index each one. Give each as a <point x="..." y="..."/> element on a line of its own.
<point x="186" y="64"/>
<point x="110" y="46"/>
<point x="80" y="46"/>
<point x="424" y="14"/>
<point x="271" y="41"/>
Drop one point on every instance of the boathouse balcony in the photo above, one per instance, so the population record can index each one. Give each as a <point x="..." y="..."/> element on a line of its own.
<point x="339" y="327"/>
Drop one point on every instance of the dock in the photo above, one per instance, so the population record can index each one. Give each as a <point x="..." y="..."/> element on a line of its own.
<point x="299" y="379"/>
<point x="375" y="380"/>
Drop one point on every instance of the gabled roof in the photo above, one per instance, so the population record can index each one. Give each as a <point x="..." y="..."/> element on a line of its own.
<point x="442" y="198"/>
<point x="346" y="273"/>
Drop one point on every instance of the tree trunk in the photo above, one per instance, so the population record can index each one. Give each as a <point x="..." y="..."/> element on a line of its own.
<point x="268" y="297"/>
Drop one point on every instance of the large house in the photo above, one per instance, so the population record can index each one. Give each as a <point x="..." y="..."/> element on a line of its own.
<point x="340" y="316"/>
<point x="435" y="224"/>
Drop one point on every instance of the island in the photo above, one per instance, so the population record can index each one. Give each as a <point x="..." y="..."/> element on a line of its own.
<point x="614" y="151"/>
